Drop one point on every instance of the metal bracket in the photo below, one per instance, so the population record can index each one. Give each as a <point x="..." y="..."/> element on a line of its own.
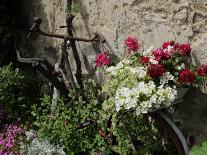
<point x="36" y="29"/>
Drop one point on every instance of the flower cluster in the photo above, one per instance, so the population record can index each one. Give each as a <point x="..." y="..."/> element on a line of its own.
<point x="132" y="44"/>
<point x="149" y="79"/>
<point x="12" y="135"/>
<point x="102" y="59"/>
<point x="144" y="97"/>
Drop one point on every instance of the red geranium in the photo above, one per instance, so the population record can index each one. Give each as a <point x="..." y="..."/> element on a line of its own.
<point x="186" y="76"/>
<point x="132" y="44"/>
<point x="202" y="70"/>
<point x="102" y="59"/>
<point x="156" y="70"/>
<point x="168" y="43"/>
<point x="185" y="49"/>
<point x="144" y="60"/>
<point x="161" y="54"/>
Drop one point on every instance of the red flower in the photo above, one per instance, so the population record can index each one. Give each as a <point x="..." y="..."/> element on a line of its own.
<point x="168" y="43"/>
<point x="202" y="70"/>
<point x="161" y="54"/>
<point x="185" y="49"/>
<point x="186" y="76"/>
<point x="156" y="70"/>
<point x="132" y="44"/>
<point x="102" y="59"/>
<point x="144" y="60"/>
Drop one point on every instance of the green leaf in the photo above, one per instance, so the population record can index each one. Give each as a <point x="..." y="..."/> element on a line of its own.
<point x="200" y="149"/>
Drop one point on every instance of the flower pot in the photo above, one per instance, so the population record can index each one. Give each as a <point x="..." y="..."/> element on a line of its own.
<point x="180" y="94"/>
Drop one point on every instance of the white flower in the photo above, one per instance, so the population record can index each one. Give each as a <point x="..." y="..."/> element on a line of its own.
<point x="166" y="77"/>
<point x="126" y="61"/>
<point x="112" y="70"/>
<point x="153" y="61"/>
<point x="129" y="98"/>
<point x="153" y="98"/>
<point x="120" y="65"/>
<point x="130" y="103"/>
<point x="146" y="104"/>
<point x="138" y="111"/>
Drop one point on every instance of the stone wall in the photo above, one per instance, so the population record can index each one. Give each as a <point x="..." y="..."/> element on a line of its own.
<point x="150" y="21"/>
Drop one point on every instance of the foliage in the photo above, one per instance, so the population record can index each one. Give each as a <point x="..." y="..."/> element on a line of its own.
<point x="60" y="128"/>
<point x="18" y="91"/>
<point x="200" y="149"/>
<point x="75" y="8"/>
<point x="122" y="135"/>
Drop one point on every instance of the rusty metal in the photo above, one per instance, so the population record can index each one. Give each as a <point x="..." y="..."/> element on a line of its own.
<point x="172" y="131"/>
<point x="64" y="61"/>
<point x="69" y="21"/>
<point x="44" y="67"/>
<point x="191" y="140"/>
<point x="36" y="29"/>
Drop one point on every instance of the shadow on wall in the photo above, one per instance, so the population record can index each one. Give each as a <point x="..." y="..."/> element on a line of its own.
<point x="192" y="113"/>
<point x="83" y="48"/>
<point x="36" y="46"/>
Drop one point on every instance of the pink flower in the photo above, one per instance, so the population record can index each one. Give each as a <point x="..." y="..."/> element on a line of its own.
<point x="186" y="76"/>
<point x="185" y="49"/>
<point x="161" y="54"/>
<point x="102" y="59"/>
<point x="132" y="44"/>
<point x="156" y="70"/>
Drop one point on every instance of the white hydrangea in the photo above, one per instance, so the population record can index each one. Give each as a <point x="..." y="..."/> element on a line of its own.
<point x="113" y="69"/>
<point x="153" y="61"/>
<point x="155" y="97"/>
<point x="166" y="77"/>
<point x="141" y="72"/>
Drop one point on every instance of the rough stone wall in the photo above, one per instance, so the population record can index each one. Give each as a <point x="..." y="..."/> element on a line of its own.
<point x="150" y="21"/>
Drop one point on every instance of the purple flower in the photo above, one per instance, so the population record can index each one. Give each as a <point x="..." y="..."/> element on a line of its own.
<point x="11" y="132"/>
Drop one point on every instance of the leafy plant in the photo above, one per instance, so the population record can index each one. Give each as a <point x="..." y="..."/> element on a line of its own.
<point x="75" y="8"/>
<point x="200" y="149"/>
<point x="18" y="91"/>
<point x="82" y="125"/>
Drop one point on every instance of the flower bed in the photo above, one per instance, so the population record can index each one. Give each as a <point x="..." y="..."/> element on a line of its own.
<point x="146" y="80"/>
